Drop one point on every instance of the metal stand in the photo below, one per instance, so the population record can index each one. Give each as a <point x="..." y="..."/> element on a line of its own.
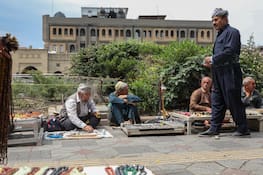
<point x="26" y="131"/>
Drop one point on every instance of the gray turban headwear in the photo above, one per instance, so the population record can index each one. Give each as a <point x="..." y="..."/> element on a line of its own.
<point x="219" y="12"/>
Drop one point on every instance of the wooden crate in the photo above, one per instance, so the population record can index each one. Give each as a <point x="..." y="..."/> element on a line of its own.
<point x="162" y="128"/>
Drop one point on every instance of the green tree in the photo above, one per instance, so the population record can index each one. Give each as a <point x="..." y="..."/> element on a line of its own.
<point x="116" y="60"/>
<point x="183" y="71"/>
<point x="85" y="63"/>
<point x="252" y="62"/>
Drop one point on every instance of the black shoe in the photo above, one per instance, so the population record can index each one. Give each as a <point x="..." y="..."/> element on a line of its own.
<point x="208" y="133"/>
<point x="240" y="134"/>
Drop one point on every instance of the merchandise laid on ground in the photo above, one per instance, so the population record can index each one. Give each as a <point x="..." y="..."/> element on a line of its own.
<point x="92" y="170"/>
<point x="27" y="129"/>
<point x="201" y="120"/>
<point x="76" y="134"/>
<point x="157" y="126"/>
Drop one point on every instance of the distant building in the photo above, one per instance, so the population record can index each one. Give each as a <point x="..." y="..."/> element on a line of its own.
<point x="26" y="59"/>
<point x="260" y="49"/>
<point x="64" y="36"/>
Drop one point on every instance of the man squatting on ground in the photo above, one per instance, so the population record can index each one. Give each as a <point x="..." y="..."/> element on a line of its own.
<point x="226" y="75"/>
<point x="80" y="111"/>
<point x="123" y="105"/>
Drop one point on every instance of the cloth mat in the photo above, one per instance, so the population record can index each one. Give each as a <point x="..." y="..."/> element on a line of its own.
<point x="92" y="170"/>
<point x="75" y="134"/>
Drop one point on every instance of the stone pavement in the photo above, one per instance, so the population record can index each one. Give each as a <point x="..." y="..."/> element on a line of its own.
<point x="164" y="155"/>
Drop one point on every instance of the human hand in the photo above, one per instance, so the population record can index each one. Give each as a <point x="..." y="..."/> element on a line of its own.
<point x="97" y="114"/>
<point x="207" y="61"/>
<point x="248" y="94"/>
<point x="208" y="110"/>
<point x="88" y="128"/>
<point x="122" y="96"/>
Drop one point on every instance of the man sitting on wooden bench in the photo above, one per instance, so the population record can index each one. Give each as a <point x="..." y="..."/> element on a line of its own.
<point x="200" y="100"/>
<point x="250" y="96"/>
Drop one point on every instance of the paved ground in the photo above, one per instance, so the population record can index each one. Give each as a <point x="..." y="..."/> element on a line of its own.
<point x="164" y="155"/>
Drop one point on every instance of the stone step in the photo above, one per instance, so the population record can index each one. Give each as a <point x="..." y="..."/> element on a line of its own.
<point x="104" y="122"/>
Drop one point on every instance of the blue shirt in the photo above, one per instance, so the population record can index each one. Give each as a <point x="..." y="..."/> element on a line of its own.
<point x="227" y="46"/>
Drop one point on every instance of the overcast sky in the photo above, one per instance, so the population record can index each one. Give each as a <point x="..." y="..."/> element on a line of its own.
<point x="23" y="18"/>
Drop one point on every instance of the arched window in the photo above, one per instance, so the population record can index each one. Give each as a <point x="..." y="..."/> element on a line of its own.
<point x="92" y="32"/>
<point x="144" y="33"/>
<point x="166" y="33"/>
<point x="121" y="33"/>
<point x="208" y="34"/>
<point x="116" y="33"/>
<point x="150" y="33"/>
<point x="59" y="31"/>
<point x="54" y="31"/>
<point x="72" y="48"/>
<point x="110" y="32"/>
<point x="70" y="31"/>
<point x="192" y="34"/>
<point x="128" y="33"/>
<point x="156" y="33"/>
<point x="27" y="69"/>
<point x="65" y="31"/>
<point x="82" y="45"/>
<point x="103" y="32"/>
<point x="202" y="34"/>
<point x="182" y="34"/>
<point x="172" y="33"/>
<point x="161" y="33"/>
<point x="82" y="32"/>
<point x="137" y="33"/>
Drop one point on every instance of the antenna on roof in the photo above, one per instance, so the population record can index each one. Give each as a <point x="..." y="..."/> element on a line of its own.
<point x="52" y="7"/>
<point x="157" y="9"/>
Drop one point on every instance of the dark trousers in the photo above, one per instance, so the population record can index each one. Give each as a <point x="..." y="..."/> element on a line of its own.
<point x="226" y="94"/>
<point x="121" y="112"/>
<point x="92" y="120"/>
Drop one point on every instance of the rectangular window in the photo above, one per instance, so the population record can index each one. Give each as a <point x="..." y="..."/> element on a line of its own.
<point x="116" y="33"/>
<point x="121" y="33"/>
<point x="54" y="31"/>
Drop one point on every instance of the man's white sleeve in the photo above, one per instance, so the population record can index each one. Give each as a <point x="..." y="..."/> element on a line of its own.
<point x="71" y="107"/>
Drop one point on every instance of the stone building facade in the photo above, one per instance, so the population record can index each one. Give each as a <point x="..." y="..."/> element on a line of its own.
<point x="64" y="36"/>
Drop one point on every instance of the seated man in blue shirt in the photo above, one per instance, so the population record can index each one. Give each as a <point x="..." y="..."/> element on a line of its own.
<point x="123" y="105"/>
<point x="250" y="96"/>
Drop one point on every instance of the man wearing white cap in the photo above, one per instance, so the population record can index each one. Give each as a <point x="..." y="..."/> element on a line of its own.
<point x="80" y="111"/>
<point x="226" y="76"/>
<point x="123" y="105"/>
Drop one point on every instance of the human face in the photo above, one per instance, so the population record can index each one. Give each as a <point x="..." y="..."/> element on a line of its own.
<point x="251" y="86"/>
<point x="124" y="91"/>
<point x="206" y="84"/>
<point x="219" y="22"/>
<point x="84" y="97"/>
